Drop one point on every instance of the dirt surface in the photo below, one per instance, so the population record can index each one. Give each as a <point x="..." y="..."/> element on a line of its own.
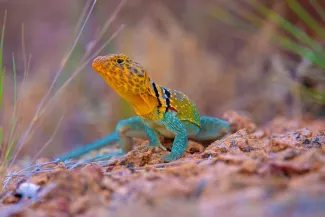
<point x="274" y="170"/>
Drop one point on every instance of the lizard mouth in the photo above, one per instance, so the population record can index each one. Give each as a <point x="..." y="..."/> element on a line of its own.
<point x="97" y="62"/>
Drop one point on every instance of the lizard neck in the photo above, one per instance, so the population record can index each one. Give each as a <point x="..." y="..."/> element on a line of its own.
<point x="150" y="104"/>
<point x="143" y="103"/>
<point x="139" y="96"/>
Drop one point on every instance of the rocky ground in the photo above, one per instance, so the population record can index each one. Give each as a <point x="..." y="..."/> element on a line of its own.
<point x="273" y="170"/>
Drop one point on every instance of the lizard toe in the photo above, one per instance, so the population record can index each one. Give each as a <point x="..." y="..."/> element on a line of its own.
<point x="157" y="146"/>
<point x="171" y="157"/>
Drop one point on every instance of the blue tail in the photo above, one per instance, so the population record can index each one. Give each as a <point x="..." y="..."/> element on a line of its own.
<point x="108" y="140"/>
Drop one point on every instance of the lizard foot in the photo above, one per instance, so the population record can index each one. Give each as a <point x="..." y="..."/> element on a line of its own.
<point x="171" y="157"/>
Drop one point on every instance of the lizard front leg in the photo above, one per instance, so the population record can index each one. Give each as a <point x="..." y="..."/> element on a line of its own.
<point x="129" y="129"/>
<point x="135" y="128"/>
<point x="154" y="140"/>
<point x="175" y="125"/>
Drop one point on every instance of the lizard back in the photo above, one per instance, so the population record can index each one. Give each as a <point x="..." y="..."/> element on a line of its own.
<point x="175" y="101"/>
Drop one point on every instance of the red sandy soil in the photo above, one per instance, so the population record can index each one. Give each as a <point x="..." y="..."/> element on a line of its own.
<point x="274" y="170"/>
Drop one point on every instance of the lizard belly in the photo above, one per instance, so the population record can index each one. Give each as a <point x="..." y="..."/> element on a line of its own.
<point x="165" y="132"/>
<point x="160" y="128"/>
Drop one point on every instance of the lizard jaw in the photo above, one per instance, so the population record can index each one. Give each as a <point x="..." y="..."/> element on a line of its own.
<point x="97" y="62"/>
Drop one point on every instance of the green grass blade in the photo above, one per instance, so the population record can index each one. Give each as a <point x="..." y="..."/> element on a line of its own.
<point x="14" y="119"/>
<point x="2" y="71"/>
<point x="296" y="32"/>
<point x="315" y="53"/>
<point x="3" y="163"/>
<point x="2" y="74"/>
<point x="1" y="136"/>
<point x="2" y="79"/>
<point x="318" y="8"/>
<point x="2" y="39"/>
<point x="295" y="48"/>
<point x="305" y="16"/>
<point x="317" y="96"/>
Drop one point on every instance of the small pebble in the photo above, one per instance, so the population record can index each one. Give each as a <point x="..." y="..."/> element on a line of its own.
<point x="28" y="190"/>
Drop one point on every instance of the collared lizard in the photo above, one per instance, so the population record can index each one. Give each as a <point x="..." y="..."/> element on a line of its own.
<point x="161" y="112"/>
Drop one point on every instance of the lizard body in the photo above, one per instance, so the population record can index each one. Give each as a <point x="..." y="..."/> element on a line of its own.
<point x="161" y="112"/>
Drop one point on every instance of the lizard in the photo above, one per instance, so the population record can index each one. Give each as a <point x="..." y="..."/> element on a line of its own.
<point x="161" y="112"/>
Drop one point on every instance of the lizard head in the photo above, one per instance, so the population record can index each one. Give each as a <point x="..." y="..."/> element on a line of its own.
<point x="128" y="79"/>
<point x="123" y="74"/>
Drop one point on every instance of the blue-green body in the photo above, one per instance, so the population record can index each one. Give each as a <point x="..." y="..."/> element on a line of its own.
<point x="171" y="127"/>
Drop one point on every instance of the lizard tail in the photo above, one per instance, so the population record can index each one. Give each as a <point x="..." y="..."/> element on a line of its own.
<point x="108" y="140"/>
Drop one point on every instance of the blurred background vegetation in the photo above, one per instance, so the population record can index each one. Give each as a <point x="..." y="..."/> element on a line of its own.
<point x="224" y="54"/>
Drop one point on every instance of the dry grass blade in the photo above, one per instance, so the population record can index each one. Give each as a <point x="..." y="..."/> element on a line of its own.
<point x="49" y="141"/>
<point x="36" y="116"/>
<point x="104" y="29"/>
<point x="61" y="89"/>
<point x="79" y="69"/>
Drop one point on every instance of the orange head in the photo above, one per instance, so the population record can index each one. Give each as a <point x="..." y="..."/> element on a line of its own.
<point x="128" y="79"/>
<point x="124" y="75"/>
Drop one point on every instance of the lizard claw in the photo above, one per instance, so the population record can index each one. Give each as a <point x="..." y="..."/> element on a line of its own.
<point x="158" y="146"/>
<point x="162" y="147"/>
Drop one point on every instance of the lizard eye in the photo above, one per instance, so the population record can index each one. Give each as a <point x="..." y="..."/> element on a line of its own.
<point x="119" y="61"/>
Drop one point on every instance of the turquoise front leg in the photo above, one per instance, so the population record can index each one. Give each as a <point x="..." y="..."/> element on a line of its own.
<point x="129" y="129"/>
<point x="211" y="129"/>
<point x="174" y="125"/>
<point x="154" y="140"/>
<point x="153" y="137"/>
